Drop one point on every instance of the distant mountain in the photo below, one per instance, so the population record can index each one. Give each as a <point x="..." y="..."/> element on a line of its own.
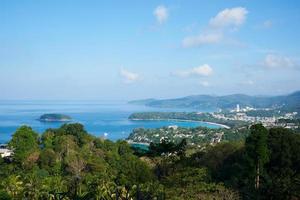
<point x="141" y="102"/>
<point x="291" y="101"/>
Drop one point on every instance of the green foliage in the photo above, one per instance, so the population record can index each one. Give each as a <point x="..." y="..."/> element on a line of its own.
<point x="195" y="183"/>
<point x="165" y="148"/>
<point x="71" y="164"/>
<point x="54" y="117"/>
<point x="24" y="142"/>
<point x="198" y="136"/>
<point x="215" y="157"/>
<point x="288" y="102"/>
<point x="284" y="165"/>
<point x="257" y="152"/>
<point x="13" y="185"/>
<point x="4" y="195"/>
<point x="277" y="152"/>
<point x="256" y="144"/>
<point x="77" y="130"/>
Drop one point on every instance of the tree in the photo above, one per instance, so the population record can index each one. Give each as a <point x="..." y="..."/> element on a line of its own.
<point x="4" y="195"/>
<point x="78" y="131"/>
<point x="13" y="185"/>
<point x="70" y="163"/>
<point x="195" y="183"/>
<point x="24" y="142"/>
<point x="48" y="138"/>
<point x="166" y="147"/>
<point x="53" y="186"/>
<point x="217" y="157"/>
<point x="75" y="164"/>
<point x="257" y="150"/>
<point x="47" y="159"/>
<point x="181" y="147"/>
<point x="283" y="167"/>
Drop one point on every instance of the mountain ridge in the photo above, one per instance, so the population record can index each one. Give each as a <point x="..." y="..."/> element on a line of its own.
<point x="289" y="101"/>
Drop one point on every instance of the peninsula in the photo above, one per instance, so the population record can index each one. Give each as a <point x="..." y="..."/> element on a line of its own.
<point x="187" y="116"/>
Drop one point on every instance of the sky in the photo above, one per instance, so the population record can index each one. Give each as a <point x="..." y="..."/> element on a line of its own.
<point x="124" y="50"/>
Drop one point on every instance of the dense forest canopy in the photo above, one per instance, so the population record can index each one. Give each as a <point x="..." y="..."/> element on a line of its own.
<point x="69" y="163"/>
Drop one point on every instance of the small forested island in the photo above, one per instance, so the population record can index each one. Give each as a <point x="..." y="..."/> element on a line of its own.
<point x="55" y="118"/>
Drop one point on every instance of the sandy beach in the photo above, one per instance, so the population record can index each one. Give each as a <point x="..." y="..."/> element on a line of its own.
<point x="183" y="120"/>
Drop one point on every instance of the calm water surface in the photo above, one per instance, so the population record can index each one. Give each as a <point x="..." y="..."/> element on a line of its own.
<point x="102" y="119"/>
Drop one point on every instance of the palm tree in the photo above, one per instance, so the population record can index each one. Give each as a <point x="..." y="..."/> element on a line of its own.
<point x="14" y="186"/>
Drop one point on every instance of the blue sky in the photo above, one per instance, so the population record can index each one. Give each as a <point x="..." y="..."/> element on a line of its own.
<point x="121" y="50"/>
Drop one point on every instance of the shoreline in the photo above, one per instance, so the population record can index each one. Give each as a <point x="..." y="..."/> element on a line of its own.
<point x="142" y="143"/>
<point x="183" y="120"/>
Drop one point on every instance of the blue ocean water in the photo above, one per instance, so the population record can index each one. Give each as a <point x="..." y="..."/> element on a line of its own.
<point x="104" y="119"/>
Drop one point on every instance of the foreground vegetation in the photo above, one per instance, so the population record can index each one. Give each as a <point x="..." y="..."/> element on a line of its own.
<point x="69" y="163"/>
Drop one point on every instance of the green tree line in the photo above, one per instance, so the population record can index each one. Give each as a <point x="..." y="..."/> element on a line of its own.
<point x="69" y="163"/>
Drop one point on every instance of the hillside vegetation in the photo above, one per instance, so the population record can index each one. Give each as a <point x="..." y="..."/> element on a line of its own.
<point x="287" y="102"/>
<point x="69" y="163"/>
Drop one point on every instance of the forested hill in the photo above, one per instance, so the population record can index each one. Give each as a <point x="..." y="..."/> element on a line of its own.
<point x="69" y="163"/>
<point x="291" y="101"/>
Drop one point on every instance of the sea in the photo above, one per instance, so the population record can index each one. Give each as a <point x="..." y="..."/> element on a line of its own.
<point x="107" y="119"/>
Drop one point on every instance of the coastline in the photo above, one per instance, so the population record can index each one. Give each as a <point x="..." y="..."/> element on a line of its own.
<point x="183" y="120"/>
<point x="54" y="120"/>
<point x="142" y="143"/>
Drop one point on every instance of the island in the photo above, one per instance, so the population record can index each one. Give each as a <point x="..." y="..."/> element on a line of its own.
<point x="55" y="118"/>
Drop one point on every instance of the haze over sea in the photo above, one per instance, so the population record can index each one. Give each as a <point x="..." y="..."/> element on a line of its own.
<point x="100" y="118"/>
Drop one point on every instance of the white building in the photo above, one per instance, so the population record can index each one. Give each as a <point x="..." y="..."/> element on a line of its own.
<point x="5" y="152"/>
<point x="175" y="127"/>
<point x="237" y="107"/>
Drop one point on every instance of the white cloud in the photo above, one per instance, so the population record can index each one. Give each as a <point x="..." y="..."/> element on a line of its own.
<point x="161" y="13"/>
<point x="229" y="17"/>
<point x="248" y="82"/>
<point x="204" y="84"/>
<point x="129" y="77"/>
<point x="200" y="71"/>
<point x="216" y="31"/>
<point x="273" y="61"/>
<point x="267" y="24"/>
<point x="199" y="40"/>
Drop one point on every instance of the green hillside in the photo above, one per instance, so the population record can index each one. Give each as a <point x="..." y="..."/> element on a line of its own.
<point x="291" y="101"/>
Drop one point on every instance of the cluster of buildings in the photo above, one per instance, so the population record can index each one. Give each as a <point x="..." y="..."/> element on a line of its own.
<point x="245" y="109"/>
<point x="217" y="138"/>
<point x="241" y="115"/>
<point x="289" y="125"/>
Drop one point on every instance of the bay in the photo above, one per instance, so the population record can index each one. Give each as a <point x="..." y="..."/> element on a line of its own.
<point x="100" y="118"/>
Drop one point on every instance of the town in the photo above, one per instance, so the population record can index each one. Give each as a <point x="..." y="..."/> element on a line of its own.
<point x="269" y="118"/>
